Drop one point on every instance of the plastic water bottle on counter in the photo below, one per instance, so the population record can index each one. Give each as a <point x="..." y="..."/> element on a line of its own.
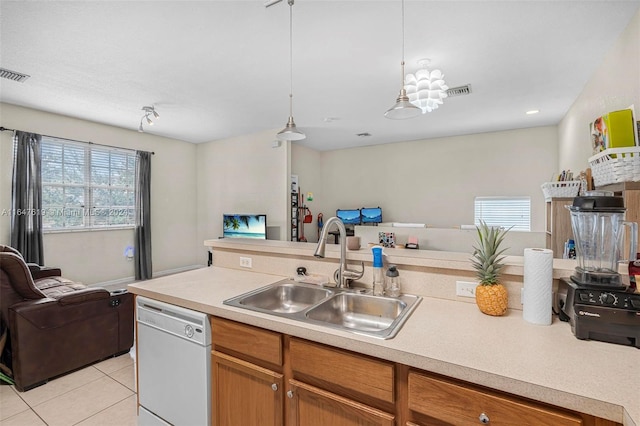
<point x="378" y="274"/>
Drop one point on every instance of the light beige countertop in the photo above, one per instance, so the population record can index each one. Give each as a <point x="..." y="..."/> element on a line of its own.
<point x="544" y="363"/>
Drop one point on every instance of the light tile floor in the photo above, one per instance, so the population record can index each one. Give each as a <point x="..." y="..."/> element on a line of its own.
<point x="100" y="395"/>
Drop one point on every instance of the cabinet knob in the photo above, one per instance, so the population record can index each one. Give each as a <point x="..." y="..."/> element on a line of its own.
<point x="274" y="387"/>
<point x="289" y="394"/>
<point x="484" y="419"/>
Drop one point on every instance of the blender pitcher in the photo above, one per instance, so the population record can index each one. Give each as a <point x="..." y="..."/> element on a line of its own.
<point x="599" y="232"/>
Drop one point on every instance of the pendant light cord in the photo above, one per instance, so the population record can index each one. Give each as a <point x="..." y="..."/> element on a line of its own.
<point x="290" y="58"/>
<point x="402" y="63"/>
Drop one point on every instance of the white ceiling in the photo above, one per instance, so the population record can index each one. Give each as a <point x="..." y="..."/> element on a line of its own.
<point x="217" y="69"/>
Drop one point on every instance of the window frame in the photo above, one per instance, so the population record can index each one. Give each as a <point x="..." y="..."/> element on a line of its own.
<point x="501" y="219"/>
<point x="93" y="216"/>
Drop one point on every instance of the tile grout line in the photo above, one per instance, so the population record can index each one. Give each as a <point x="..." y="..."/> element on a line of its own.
<point x="115" y="403"/>
<point x="63" y="393"/>
<point x="103" y="375"/>
<point x="29" y="408"/>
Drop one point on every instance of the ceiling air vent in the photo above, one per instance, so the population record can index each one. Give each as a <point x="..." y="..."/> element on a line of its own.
<point x="12" y="75"/>
<point x="459" y="91"/>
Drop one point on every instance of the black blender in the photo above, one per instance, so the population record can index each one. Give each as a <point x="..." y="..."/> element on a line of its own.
<point x="596" y="301"/>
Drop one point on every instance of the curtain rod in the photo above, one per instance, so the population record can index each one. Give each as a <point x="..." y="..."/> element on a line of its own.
<point x="2" y="129"/>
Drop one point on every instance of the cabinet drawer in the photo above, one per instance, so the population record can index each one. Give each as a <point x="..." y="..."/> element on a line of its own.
<point x="256" y="343"/>
<point x="455" y="403"/>
<point x="341" y="371"/>
<point x="313" y="406"/>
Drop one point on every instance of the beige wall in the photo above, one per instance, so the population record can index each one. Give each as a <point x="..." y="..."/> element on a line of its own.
<point x="98" y="256"/>
<point x="242" y="175"/>
<point x="435" y="181"/>
<point x="615" y="85"/>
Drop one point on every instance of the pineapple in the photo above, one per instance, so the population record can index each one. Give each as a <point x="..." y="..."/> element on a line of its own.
<point x="491" y="296"/>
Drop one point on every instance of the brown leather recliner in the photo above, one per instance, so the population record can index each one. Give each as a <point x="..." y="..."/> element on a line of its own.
<point x="57" y="326"/>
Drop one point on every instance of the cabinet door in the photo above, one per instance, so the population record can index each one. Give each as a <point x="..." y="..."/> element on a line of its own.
<point x="311" y="406"/>
<point x="245" y="394"/>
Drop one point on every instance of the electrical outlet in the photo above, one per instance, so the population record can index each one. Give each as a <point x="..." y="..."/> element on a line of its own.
<point x="245" y="262"/>
<point x="466" y="289"/>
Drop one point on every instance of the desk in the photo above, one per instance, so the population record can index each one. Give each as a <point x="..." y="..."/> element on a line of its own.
<point x="336" y="234"/>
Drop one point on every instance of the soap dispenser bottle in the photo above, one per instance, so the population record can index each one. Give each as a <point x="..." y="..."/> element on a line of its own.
<point x="378" y="274"/>
<point x="393" y="282"/>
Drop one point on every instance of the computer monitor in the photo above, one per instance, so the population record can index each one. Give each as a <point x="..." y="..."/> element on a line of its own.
<point x="349" y="217"/>
<point x="371" y="215"/>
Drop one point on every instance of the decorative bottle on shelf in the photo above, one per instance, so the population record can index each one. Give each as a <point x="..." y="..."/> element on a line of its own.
<point x="378" y="274"/>
<point x="393" y="282"/>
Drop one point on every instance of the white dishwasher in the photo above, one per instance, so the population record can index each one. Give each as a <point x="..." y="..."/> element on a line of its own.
<point x="174" y="365"/>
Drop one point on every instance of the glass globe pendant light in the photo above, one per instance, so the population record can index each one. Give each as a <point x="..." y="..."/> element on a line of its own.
<point x="403" y="108"/>
<point x="290" y="131"/>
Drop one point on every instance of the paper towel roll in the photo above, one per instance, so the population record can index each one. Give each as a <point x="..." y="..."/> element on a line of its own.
<point x="538" y="282"/>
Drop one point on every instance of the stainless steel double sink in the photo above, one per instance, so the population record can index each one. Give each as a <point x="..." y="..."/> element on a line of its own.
<point x="344" y="309"/>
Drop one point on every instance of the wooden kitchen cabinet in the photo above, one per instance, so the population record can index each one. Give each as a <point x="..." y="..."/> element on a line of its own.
<point x="247" y="379"/>
<point x="261" y="377"/>
<point x="558" y="224"/>
<point x="359" y="377"/>
<point x="331" y="386"/>
<point x="244" y="393"/>
<point x="437" y="400"/>
<point x="262" y="347"/>
<point x="312" y="406"/>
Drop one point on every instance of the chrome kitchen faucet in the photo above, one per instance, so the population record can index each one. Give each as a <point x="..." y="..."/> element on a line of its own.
<point x="343" y="275"/>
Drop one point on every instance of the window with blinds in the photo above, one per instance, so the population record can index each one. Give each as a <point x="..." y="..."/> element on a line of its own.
<point x="86" y="186"/>
<point x="508" y="212"/>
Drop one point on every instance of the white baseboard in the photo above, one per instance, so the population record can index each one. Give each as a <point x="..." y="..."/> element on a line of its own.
<point x="122" y="282"/>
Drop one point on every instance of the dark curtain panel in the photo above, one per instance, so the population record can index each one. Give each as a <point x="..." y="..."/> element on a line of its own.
<point x="142" y="252"/>
<point x="26" y="197"/>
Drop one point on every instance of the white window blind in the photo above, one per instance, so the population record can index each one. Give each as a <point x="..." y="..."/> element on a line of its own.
<point x="508" y="212"/>
<point x="86" y="186"/>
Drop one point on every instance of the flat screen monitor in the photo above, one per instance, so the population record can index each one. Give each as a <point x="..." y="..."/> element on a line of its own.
<point x="371" y="215"/>
<point x="349" y="217"/>
<point x="244" y="226"/>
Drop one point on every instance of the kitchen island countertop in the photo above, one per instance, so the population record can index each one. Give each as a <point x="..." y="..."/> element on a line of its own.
<point x="544" y="363"/>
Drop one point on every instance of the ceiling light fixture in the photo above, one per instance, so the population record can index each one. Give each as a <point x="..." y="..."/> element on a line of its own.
<point x="290" y="131"/>
<point x="403" y="108"/>
<point x="425" y="89"/>
<point x="533" y="111"/>
<point x="148" y="112"/>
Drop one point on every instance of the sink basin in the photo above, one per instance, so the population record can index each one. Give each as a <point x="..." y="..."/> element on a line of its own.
<point x="285" y="297"/>
<point x="338" y="308"/>
<point x="366" y="313"/>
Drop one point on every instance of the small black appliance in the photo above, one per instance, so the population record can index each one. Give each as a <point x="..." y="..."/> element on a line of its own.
<point x="600" y="313"/>
<point x="596" y="301"/>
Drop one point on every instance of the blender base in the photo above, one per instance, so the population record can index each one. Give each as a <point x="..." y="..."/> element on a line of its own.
<point x="602" y="314"/>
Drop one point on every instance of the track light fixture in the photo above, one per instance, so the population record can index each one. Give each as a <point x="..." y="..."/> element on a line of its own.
<point x="149" y="112"/>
